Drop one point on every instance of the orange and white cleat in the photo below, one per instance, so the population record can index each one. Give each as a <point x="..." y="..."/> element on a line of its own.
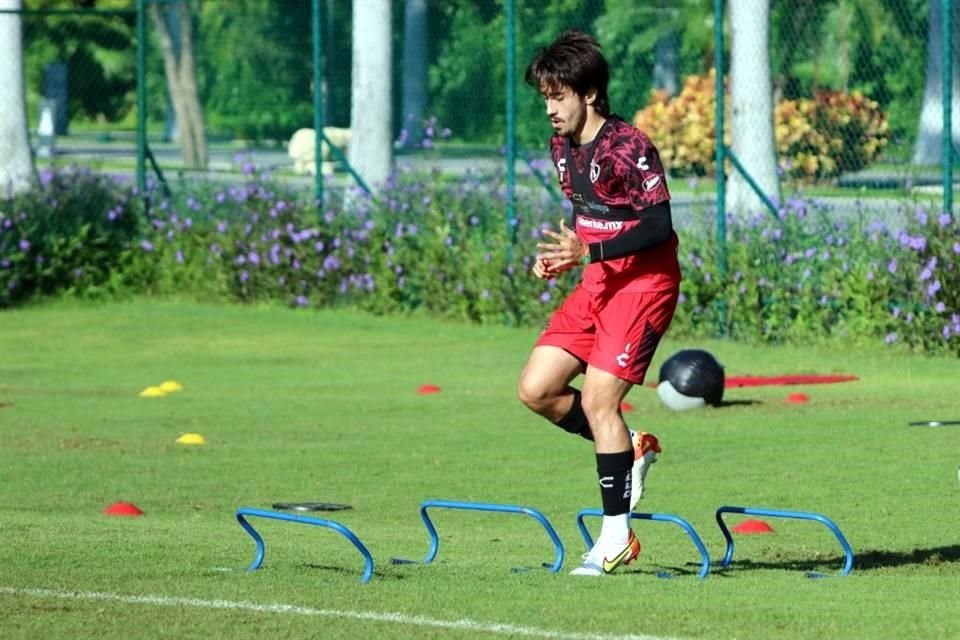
<point x="605" y="558"/>
<point x="645" y="450"/>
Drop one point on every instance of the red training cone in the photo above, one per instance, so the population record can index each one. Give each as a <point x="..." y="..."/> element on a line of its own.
<point x="797" y="398"/>
<point x="626" y="406"/>
<point x="426" y="389"/>
<point x="123" y="509"/>
<point x="753" y="526"/>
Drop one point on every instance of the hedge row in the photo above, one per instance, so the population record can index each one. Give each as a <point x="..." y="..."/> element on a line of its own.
<point x="442" y="246"/>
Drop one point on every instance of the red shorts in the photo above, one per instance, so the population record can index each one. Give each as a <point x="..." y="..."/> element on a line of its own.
<point x="617" y="334"/>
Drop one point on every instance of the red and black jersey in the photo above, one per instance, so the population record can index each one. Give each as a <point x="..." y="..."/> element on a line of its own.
<point x="611" y="181"/>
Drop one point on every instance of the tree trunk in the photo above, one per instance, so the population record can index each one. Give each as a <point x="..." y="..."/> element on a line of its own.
<point x="666" y="64"/>
<point x="181" y="73"/>
<point x="751" y="97"/>
<point x="16" y="160"/>
<point x="171" y="132"/>
<point x="414" y="72"/>
<point x="929" y="146"/>
<point x="371" y="147"/>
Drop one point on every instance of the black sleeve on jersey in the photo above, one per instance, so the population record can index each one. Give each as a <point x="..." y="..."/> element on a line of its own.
<point x="655" y="228"/>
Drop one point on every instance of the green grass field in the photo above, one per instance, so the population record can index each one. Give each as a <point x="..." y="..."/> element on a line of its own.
<point x="322" y="406"/>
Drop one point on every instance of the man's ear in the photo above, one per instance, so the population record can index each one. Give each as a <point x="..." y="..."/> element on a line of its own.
<point x="591" y="96"/>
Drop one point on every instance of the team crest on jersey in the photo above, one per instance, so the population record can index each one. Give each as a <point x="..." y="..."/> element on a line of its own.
<point x="594" y="171"/>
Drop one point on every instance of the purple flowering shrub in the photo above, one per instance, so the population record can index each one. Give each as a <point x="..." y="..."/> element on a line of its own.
<point x="441" y="245"/>
<point x="442" y="248"/>
<point x="425" y="244"/>
<point x="817" y="273"/>
<point x="69" y="235"/>
<point x="925" y="307"/>
<point x="256" y="241"/>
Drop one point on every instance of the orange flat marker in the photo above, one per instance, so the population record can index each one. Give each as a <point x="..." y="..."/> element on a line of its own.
<point x="123" y="509"/>
<point x="753" y="526"/>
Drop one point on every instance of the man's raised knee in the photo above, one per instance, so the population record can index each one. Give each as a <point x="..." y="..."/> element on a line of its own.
<point x="534" y="396"/>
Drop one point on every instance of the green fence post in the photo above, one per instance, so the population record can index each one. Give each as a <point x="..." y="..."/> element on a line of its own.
<point x="318" y="114"/>
<point x="720" y="158"/>
<point x="141" y="97"/>
<point x="511" y="128"/>
<point x="720" y="151"/>
<point x="947" y="79"/>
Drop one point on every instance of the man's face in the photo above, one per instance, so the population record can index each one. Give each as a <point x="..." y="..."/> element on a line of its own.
<point x="567" y="110"/>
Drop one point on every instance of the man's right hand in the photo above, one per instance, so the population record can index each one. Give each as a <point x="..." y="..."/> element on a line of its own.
<point x="546" y="269"/>
<point x="542" y="269"/>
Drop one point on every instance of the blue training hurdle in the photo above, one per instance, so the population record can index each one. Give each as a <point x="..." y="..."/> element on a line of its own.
<point x="655" y="517"/>
<point x="483" y="506"/>
<point x="244" y="512"/>
<point x="777" y="513"/>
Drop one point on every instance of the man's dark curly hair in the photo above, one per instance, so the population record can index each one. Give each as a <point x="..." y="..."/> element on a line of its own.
<point x="573" y="60"/>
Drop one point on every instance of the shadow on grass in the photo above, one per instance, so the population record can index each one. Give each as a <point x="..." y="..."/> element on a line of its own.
<point x="352" y="572"/>
<point x="689" y="570"/>
<point x="869" y="560"/>
<point x="932" y="557"/>
<point x="734" y="403"/>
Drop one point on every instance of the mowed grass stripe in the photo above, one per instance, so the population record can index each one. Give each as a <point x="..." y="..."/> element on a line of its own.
<point x="494" y="628"/>
<point x="323" y="406"/>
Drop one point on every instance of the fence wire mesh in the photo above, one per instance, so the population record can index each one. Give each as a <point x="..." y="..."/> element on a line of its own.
<point x="855" y="94"/>
<point x="80" y="80"/>
<point x="850" y="103"/>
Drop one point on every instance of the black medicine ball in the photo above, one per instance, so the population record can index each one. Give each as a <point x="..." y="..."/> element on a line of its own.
<point x="691" y="378"/>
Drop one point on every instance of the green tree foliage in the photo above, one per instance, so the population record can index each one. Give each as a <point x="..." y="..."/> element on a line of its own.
<point x="99" y="51"/>
<point x="874" y="47"/>
<point x="467" y="85"/>
<point x="468" y="90"/>
<point x="628" y="32"/>
<point x="255" y="60"/>
<point x="256" y="67"/>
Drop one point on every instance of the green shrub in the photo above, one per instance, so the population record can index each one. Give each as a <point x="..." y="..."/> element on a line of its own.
<point x="442" y="246"/>
<point x="818" y="274"/>
<point x="70" y="234"/>
<point x="429" y="244"/>
<point x="925" y="283"/>
<point x="683" y="127"/>
<point x="831" y="134"/>
<point x="816" y="139"/>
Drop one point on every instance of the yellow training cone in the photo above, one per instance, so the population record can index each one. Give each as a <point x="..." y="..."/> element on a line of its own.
<point x="153" y="392"/>
<point x="171" y="385"/>
<point x="191" y="438"/>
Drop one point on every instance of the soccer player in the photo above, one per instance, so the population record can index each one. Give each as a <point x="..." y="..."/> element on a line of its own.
<point x="610" y="325"/>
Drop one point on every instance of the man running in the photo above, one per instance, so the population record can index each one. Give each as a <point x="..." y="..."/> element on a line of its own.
<point x="609" y="327"/>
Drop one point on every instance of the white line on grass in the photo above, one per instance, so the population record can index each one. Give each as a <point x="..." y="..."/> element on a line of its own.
<point x="463" y="624"/>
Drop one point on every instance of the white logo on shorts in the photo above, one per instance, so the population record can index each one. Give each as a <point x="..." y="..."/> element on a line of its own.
<point x="622" y="358"/>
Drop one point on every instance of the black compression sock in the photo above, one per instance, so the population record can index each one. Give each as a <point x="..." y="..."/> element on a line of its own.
<point x="614" y="471"/>
<point x="576" y="420"/>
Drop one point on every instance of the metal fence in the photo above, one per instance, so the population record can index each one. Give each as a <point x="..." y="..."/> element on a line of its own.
<point x="80" y="72"/>
<point x="862" y="91"/>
